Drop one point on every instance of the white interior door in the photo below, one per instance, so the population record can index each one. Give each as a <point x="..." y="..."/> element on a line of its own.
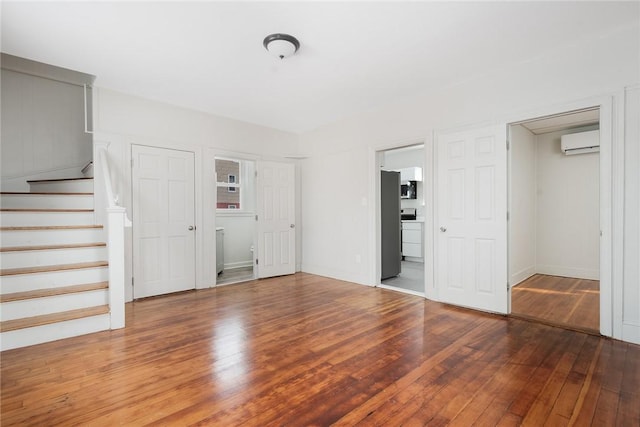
<point x="472" y="218"/>
<point x="276" y="219"/>
<point x="163" y="221"/>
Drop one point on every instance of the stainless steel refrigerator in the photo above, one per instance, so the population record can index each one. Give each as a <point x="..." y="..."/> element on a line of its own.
<point x="391" y="225"/>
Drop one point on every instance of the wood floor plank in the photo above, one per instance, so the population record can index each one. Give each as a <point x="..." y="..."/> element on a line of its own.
<point x="563" y="301"/>
<point x="52" y="247"/>
<point x="49" y="227"/>
<point x="44" y="210"/>
<point x="542" y="407"/>
<point x="45" y="319"/>
<point x="28" y="193"/>
<point x="84" y="178"/>
<point x="49" y="268"/>
<point x="62" y="290"/>
<point x="308" y="350"/>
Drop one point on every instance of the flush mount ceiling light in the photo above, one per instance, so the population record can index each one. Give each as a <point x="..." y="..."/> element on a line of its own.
<point x="281" y="45"/>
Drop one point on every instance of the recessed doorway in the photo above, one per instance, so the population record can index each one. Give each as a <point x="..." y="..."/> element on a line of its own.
<point x="235" y="220"/>
<point x="402" y="218"/>
<point x="554" y="219"/>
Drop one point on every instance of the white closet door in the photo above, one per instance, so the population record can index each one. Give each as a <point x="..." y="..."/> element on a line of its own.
<point x="276" y="219"/>
<point x="163" y="221"/>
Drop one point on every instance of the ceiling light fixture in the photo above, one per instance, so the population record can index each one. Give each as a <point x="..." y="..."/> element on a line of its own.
<point x="281" y="45"/>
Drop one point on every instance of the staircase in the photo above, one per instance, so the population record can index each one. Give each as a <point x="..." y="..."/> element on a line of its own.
<point x="54" y="270"/>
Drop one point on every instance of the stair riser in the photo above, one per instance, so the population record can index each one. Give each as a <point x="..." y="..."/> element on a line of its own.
<point x="51" y="237"/>
<point x="55" y="331"/>
<point x="39" y="201"/>
<point x="36" y="281"/>
<point x="17" y="219"/>
<point x="20" y="259"/>
<point x="54" y="304"/>
<point x="75" y="186"/>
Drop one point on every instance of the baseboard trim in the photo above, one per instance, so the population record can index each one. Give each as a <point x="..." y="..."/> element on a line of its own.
<point x="240" y="264"/>
<point x="522" y="275"/>
<point x="578" y="273"/>
<point x="631" y="332"/>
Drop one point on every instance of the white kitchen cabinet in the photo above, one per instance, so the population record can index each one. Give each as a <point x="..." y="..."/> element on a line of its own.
<point x="412" y="239"/>
<point x="410" y="174"/>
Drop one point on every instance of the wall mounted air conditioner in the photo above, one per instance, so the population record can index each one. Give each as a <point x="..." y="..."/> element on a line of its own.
<point x="579" y="143"/>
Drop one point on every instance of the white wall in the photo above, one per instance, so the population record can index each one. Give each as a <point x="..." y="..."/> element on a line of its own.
<point x="42" y="130"/>
<point x="122" y="120"/>
<point x="337" y="228"/>
<point x="522" y="201"/>
<point x="335" y="215"/>
<point x="567" y="210"/>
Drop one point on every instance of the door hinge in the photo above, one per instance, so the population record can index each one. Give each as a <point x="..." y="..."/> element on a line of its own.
<point x="132" y="281"/>
<point x="256" y="261"/>
<point x="256" y="174"/>
<point x="507" y="144"/>
<point x="132" y="162"/>
<point x="256" y="217"/>
<point x="507" y="215"/>
<point x="507" y="286"/>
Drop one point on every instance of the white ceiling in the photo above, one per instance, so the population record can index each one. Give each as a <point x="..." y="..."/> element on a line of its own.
<point x="354" y="56"/>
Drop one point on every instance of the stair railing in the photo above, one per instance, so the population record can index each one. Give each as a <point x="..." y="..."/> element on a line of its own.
<point x="116" y="222"/>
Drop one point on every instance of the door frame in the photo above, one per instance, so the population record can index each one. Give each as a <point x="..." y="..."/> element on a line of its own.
<point x="209" y="187"/>
<point x="611" y="202"/>
<point x="375" y="254"/>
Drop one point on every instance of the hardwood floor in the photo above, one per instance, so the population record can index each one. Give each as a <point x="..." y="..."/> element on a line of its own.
<point x="563" y="301"/>
<point x="306" y="350"/>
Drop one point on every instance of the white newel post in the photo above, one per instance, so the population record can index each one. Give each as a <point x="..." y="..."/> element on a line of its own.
<point x="115" y="243"/>
<point x="116" y="222"/>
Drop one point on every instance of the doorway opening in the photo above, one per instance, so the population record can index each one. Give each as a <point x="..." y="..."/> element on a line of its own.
<point x="554" y="219"/>
<point x="235" y="220"/>
<point x="402" y="219"/>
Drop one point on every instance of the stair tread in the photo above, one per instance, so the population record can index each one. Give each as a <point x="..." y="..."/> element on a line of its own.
<point x="49" y="268"/>
<point x="50" y="227"/>
<point x="49" y="292"/>
<point x="43" y="210"/>
<point x="49" y="247"/>
<point x="39" y="193"/>
<point x="59" y="179"/>
<point x="45" y="319"/>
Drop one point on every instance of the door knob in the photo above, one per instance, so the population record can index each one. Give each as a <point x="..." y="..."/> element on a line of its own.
<point x="292" y="226"/>
<point x="191" y="228"/>
<point x="443" y="229"/>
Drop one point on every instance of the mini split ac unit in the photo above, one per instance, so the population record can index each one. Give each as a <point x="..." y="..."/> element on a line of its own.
<point x="579" y="143"/>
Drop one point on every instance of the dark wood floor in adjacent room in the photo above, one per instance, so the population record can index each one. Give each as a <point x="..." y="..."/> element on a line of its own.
<point x="563" y="301"/>
<point x="306" y="350"/>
